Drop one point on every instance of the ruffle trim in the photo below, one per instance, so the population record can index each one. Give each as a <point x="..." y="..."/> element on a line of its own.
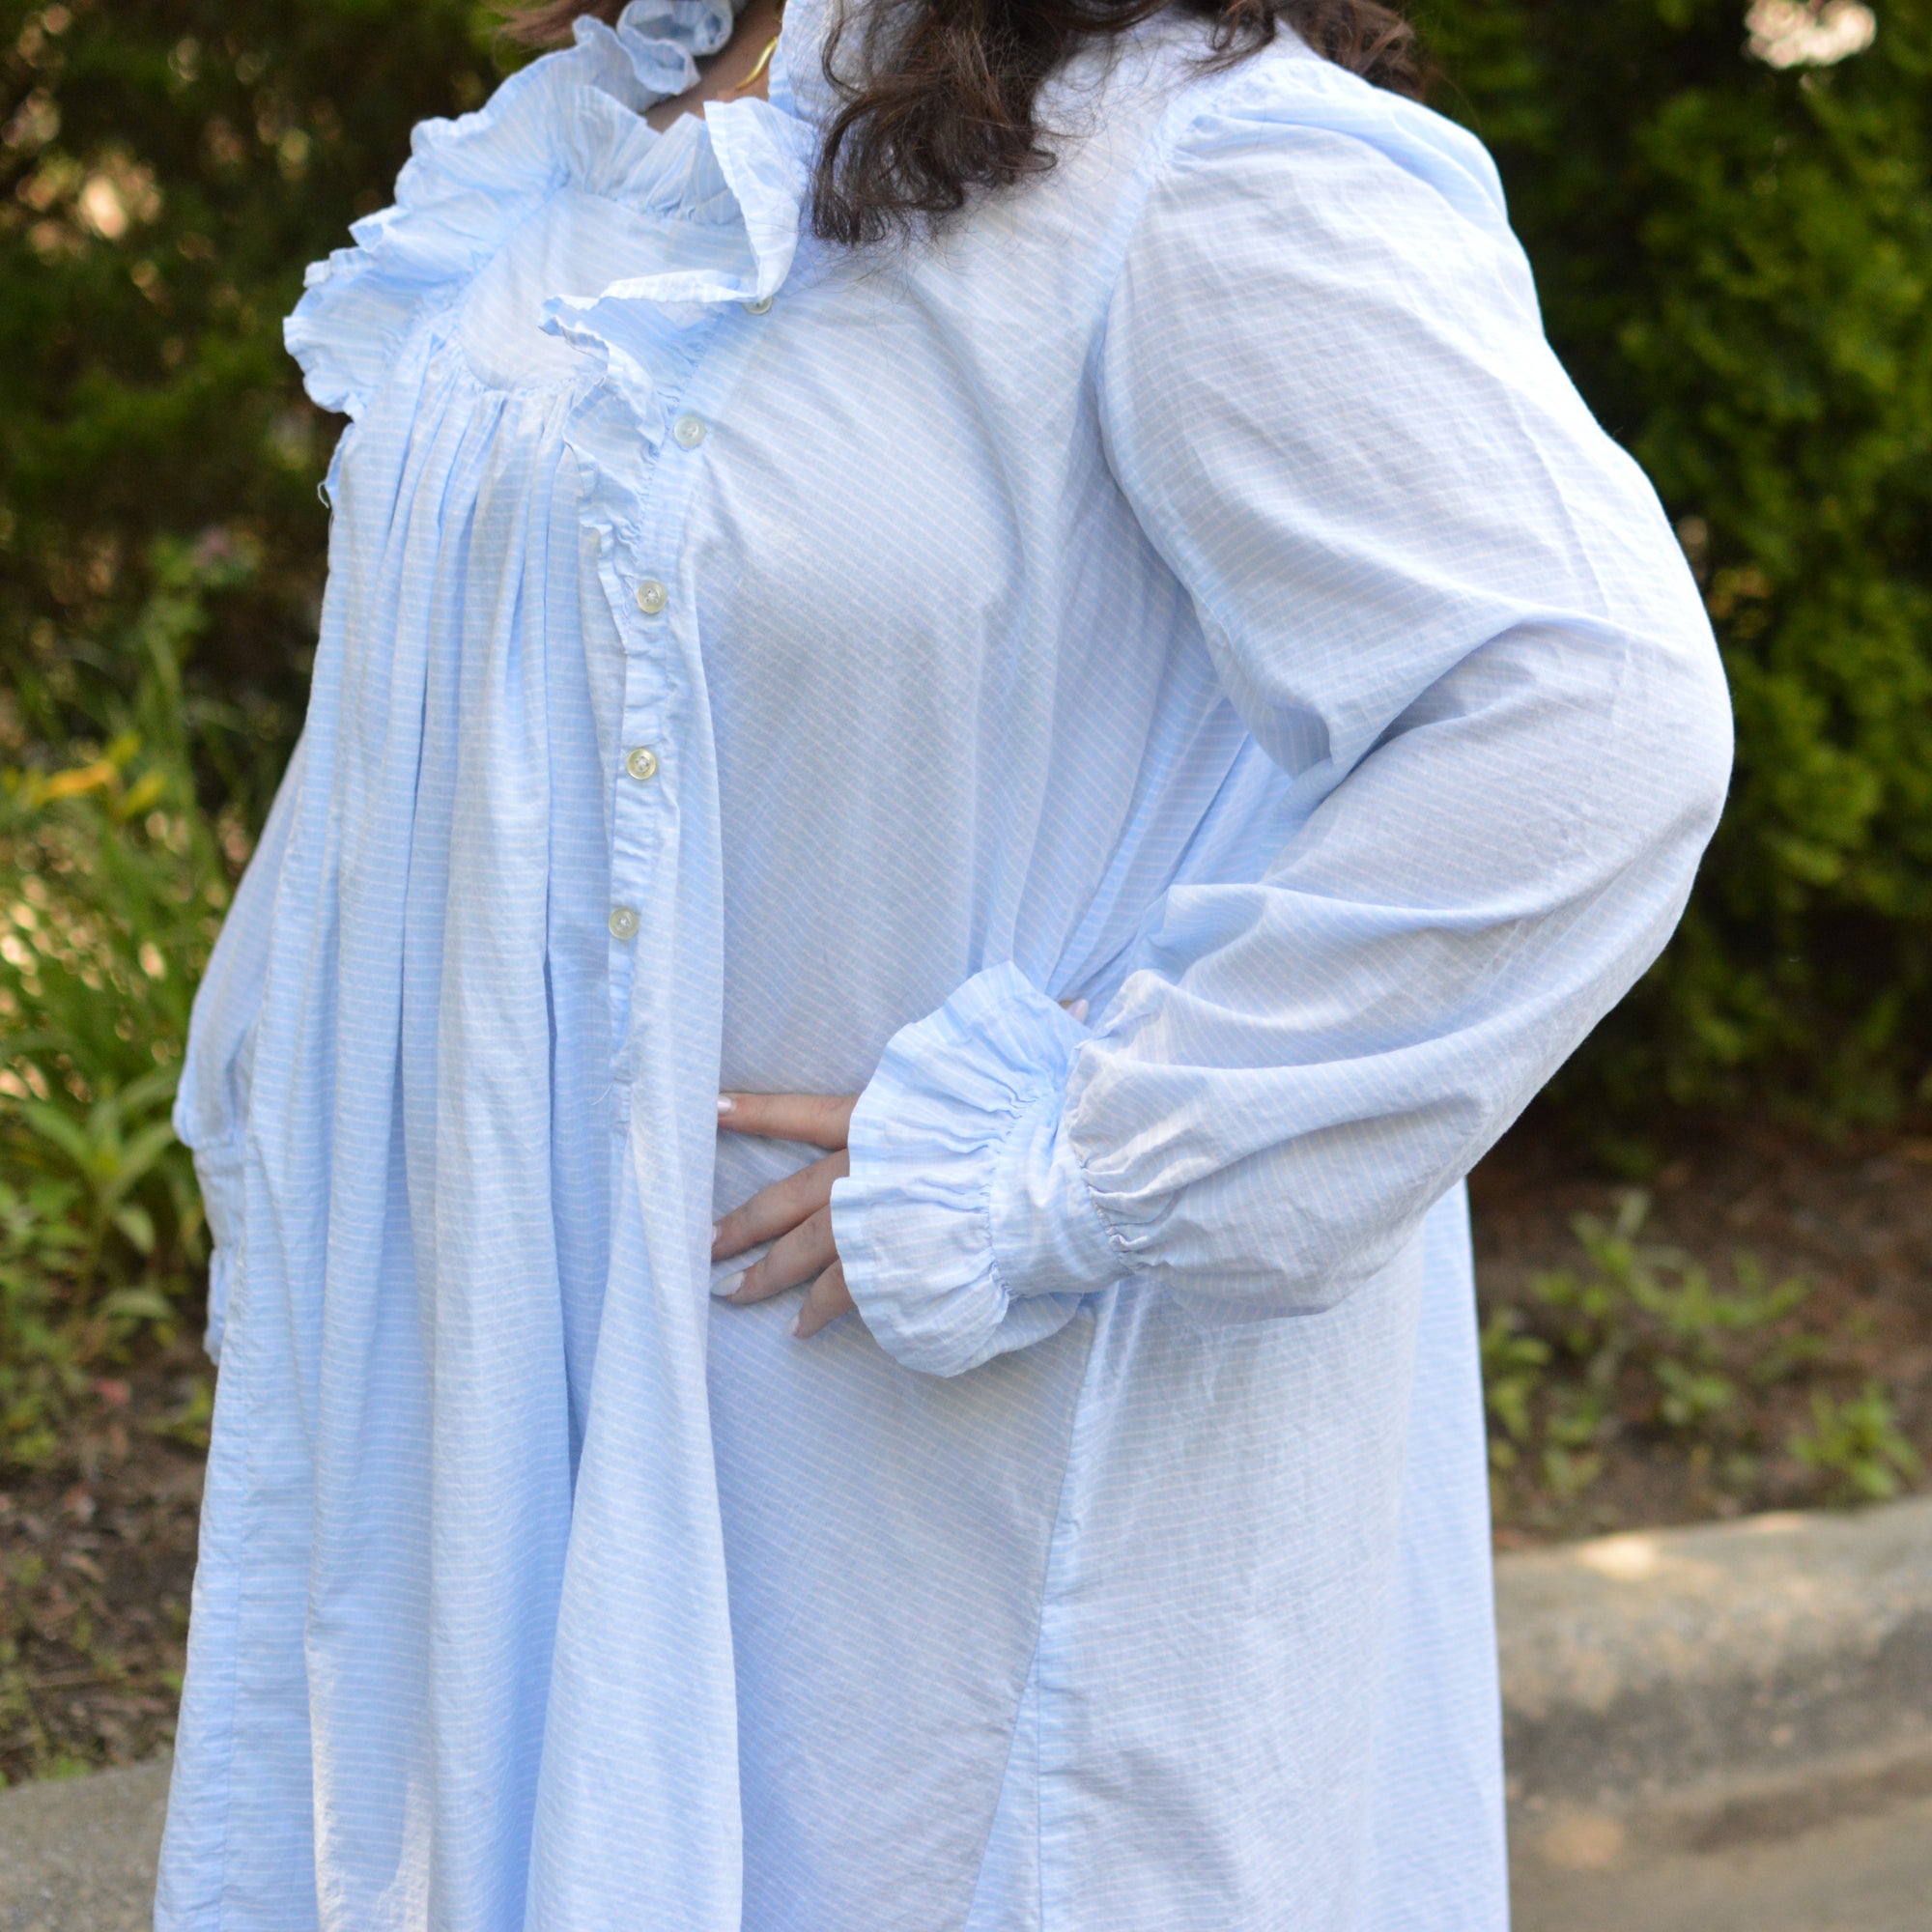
<point x="220" y="1173"/>
<point x="960" y="1107"/>
<point x="574" y="117"/>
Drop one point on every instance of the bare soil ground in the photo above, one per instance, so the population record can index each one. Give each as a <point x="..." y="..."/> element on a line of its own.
<point x="97" y="1551"/>
<point x="1852" y="1221"/>
<point x="96" y="1557"/>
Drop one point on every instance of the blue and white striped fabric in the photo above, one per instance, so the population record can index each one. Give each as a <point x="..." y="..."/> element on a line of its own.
<point x="1189" y="585"/>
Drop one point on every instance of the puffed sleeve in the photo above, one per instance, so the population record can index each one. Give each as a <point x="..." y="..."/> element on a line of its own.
<point x="211" y="1113"/>
<point x="1453" y="611"/>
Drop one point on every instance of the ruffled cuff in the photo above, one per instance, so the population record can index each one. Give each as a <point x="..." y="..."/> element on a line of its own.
<point x="966" y="1226"/>
<point x="219" y="1171"/>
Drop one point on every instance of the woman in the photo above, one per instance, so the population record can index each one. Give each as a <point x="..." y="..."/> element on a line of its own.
<point x="1042" y="576"/>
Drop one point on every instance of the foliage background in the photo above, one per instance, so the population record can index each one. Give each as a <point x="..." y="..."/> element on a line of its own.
<point x="1734" y="263"/>
<point x="167" y="170"/>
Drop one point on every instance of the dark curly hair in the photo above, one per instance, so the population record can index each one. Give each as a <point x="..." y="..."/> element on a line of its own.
<point x="943" y="94"/>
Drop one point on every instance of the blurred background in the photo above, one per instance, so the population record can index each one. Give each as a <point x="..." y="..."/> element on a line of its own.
<point x="1706" y="1256"/>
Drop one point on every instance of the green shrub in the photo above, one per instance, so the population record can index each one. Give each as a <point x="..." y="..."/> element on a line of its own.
<point x="1736" y="263"/>
<point x="1855" y="1445"/>
<point x="166" y="171"/>
<point x="1638" y="1341"/>
<point x="112" y="884"/>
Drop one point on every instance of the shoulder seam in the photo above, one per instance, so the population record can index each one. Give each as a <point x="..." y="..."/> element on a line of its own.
<point x="1197" y="97"/>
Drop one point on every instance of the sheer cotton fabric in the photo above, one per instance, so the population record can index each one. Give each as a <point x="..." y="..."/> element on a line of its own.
<point x="1190" y="584"/>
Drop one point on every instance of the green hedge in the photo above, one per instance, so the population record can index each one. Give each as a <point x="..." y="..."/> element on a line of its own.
<point x="1735" y="264"/>
<point x="1734" y="261"/>
<point x="168" y="170"/>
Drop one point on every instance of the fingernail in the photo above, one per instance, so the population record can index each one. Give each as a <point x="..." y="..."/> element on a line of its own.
<point x="726" y="1103"/>
<point x="729" y="1285"/>
<point x="797" y="1322"/>
<point x="1078" y="1010"/>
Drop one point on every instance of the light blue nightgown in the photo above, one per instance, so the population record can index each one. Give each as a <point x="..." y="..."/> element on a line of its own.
<point x="1188" y="583"/>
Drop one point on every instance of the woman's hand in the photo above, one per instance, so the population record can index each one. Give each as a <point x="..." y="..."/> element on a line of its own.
<point x="794" y="1214"/>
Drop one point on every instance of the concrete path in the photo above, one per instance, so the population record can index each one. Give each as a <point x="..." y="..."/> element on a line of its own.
<point x="1863" y="1871"/>
<point x="1722" y="1729"/>
<point x="78" y="1856"/>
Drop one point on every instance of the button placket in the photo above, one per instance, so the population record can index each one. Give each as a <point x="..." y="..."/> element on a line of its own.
<point x="659" y="650"/>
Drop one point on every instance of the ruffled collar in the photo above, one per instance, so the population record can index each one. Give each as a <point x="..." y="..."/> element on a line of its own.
<point x="747" y="161"/>
<point x="652" y="50"/>
<point x="577" y="117"/>
<point x="798" y="84"/>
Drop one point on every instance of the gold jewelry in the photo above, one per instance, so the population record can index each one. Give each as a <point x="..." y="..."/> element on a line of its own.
<point x="758" y="67"/>
<point x="763" y="61"/>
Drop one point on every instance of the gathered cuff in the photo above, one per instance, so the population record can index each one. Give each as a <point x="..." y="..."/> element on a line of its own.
<point x="965" y="1225"/>
<point x="220" y="1173"/>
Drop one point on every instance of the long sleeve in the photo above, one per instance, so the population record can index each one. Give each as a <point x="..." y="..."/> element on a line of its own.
<point x="211" y="1113"/>
<point x="1452" y="610"/>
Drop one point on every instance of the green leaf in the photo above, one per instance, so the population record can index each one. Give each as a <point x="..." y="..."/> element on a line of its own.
<point x="138" y="1225"/>
<point x="138" y="1304"/>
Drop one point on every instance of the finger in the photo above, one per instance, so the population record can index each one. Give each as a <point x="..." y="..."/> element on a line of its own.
<point x="827" y="1299"/>
<point x="819" y="1119"/>
<point x="782" y="1205"/>
<point x="806" y="1251"/>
